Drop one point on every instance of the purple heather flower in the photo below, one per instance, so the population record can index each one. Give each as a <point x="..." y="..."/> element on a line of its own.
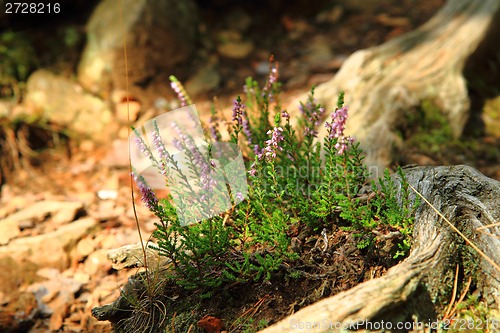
<point x="180" y="93"/>
<point x="258" y="152"/>
<point x="142" y="145"/>
<point x="336" y="129"/>
<point x="177" y="144"/>
<point x="310" y="132"/>
<point x="337" y="126"/>
<point x="285" y="115"/>
<point x="238" y="109"/>
<point x="183" y="140"/>
<point x="272" y="78"/>
<point x="207" y="181"/>
<point x="246" y="127"/>
<point x="253" y="170"/>
<point x="159" y="146"/>
<point x="239" y="196"/>
<point x="273" y="75"/>
<point x="313" y="114"/>
<point x="214" y="125"/>
<point x="148" y="196"/>
<point x="272" y="145"/>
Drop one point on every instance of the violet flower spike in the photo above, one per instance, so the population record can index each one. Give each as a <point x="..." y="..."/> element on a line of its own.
<point x="239" y="196"/>
<point x="246" y="127"/>
<point x="238" y="110"/>
<point x="272" y="145"/>
<point x="159" y="146"/>
<point x="336" y="129"/>
<point x="180" y="95"/>
<point x="207" y="182"/>
<point x="273" y="76"/>
<point x="142" y="146"/>
<point x="258" y="152"/>
<point x="285" y="115"/>
<point x="253" y="170"/>
<point x="177" y="144"/>
<point x="147" y="195"/>
<point x="214" y="125"/>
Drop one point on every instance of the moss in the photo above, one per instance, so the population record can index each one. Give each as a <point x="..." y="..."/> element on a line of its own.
<point x="182" y="322"/>
<point x="17" y="61"/>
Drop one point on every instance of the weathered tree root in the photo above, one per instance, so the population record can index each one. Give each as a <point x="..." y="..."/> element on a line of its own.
<point x="383" y="84"/>
<point x="411" y="290"/>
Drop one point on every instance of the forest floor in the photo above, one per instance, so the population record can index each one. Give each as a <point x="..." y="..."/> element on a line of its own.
<point x="61" y="298"/>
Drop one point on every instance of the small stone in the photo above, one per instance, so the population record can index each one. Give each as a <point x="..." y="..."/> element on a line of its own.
<point x="211" y="324"/>
<point x="84" y="248"/>
<point x="225" y="36"/>
<point x="331" y="16"/>
<point x="87" y="146"/>
<point x="391" y="21"/>
<point x="318" y="51"/>
<point x="9" y="229"/>
<point x="11" y="203"/>
<point x="81" y="277"/>
<point x="75" y="317"/>
<point x="117" y="156"/>
<point x="97" y="262"/>
<point x="60" y="211"/>
<point x="50" y="296"/>
<point x="124" y="109"/>
<point x="60" y="101"/>
<point x="107" y="194"/>
<point x="205" y="80"/>
<point x="50" y="249"/>
<point x="66" y="212"/>
<point x="235" y="50"/>
<point x="123" y="134"/>
<point x="56" y="320"/>
<point x="5" y="108"/>
<point x="106" y="210"/>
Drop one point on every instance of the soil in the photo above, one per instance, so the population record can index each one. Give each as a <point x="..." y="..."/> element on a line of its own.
<point x="72" y="170"/>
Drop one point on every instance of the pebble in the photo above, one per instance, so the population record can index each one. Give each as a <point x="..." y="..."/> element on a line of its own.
<point x="236" y="50"/>
<point x="206" y="79"/>
<point x="9" y="229"/>
<point x="97" y="263"/>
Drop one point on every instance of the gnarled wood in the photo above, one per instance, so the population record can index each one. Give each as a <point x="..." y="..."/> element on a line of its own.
<point x="411" y="289"/>
<point x="382" y="83"/>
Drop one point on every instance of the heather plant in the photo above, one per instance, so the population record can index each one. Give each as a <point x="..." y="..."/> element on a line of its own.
<point x="295" y="182"/>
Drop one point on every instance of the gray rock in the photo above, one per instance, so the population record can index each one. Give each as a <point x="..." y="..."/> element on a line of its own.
<point x="206" y="79"/>
<point x="51" y="249"/>
<point x="159" y="34"/>
<point x="133" y="256"/>
<point x="58" y="211"/>
<point x="61" y="101"/>
<point x="318" y="52"/>
<point x="236" y="50"/>
<point x="9" y="229"/>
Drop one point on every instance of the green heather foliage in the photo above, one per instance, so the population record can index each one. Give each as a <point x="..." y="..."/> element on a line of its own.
<point x="295" y="182"/>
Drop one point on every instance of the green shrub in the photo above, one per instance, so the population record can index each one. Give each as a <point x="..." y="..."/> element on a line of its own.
<point x="297" y="183"/>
